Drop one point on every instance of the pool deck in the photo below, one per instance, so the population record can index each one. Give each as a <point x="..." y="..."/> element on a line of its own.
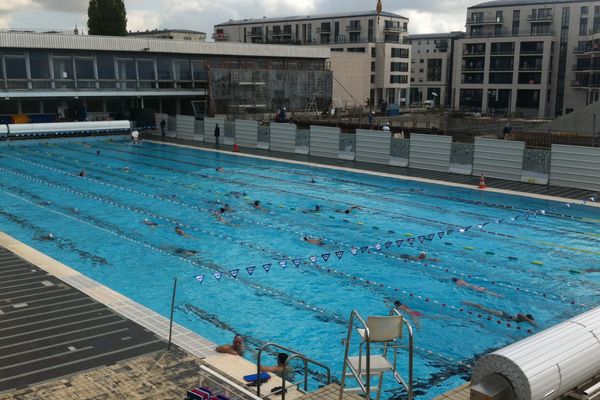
<point x="546" y="192"/>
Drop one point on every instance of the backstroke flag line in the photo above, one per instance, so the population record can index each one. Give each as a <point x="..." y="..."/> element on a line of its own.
<point x="379" y="9"/>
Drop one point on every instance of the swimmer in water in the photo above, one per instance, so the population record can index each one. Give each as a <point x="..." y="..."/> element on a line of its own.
<point x="421" y="257"/>
<point x="519" y="317"/>
<point x="219" y="215"/>
<point x="465" y="284"/>
<point x="315" y="241"/>
<point x="149" y="223"/>
<point x="314" y="210"/>
<point x="97" y="152"/>
<point x="220" y="169"/>
<point x="45" y="203"/>
<point x="49" y="236"/>
<point x="258" y="206"/>
<point x="227" y="208"/>
<point x="181" y="232"/>
<point x="185" y="252"/>
<point x="82" y="173"/>
<point x="349" y="210"/>
<point x="414" y="315"/>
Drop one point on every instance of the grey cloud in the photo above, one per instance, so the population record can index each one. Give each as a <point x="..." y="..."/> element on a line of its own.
<point x="70" y="6"/>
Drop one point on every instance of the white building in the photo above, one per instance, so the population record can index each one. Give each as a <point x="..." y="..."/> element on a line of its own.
<point x="380" y="42"/>
<point x="534" y="57"/>
<point x="171" y="34"/>
<point x="431" y="67"/>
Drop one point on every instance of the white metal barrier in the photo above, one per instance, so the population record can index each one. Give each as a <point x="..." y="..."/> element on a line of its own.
<point x="324" y="141"/>
<point x="430" y="152"/>
<point x="209" y="128"/>
<point x="498" y="158"/>
<point x="246" y="133"/>
<point x="575" y="166"/>
<point x="283" y="137"/>
<point x="373" y="146"/>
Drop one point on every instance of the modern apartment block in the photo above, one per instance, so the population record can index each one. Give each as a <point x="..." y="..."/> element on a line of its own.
<point x="431" y="67"/>
<point x="171" y="34"/>
<point x="380" y="41"/>
<point x="534" y="57"/>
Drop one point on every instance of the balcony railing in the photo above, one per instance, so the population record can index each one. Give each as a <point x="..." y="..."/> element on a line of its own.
<point x="585" y="84"/>
<point x="255" y="33"/>
<point x="532" y="51"/>
<point x="535" y="68"/>
<point x="324" y="30"/>
<point x="393" y="28"/>
<point x="485" y="21"/>
<point x="501" y="68"/>
<point x="474" y="52"/>
<point x="502" y="52"/>
<point x="353" y="28"/>
<point x="473" y="68"/>
<point x="508" y="33"/>
<point x="540" y="18"/>
<point x="220" y="36"/>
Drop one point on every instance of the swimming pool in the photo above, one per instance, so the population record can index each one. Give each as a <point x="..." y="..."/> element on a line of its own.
<point x="536" y="264"/>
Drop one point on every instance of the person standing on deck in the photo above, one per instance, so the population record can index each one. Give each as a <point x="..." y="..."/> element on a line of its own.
<point x="217" y="134"/>
<point x="163" y="125"/>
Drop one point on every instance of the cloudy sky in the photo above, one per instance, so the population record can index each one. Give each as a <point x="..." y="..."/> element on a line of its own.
<point x="426" y="16"/>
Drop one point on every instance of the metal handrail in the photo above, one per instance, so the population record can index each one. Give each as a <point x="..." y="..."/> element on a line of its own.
<point x="410" y="351"/>
<point x="365" y="388"/>
<point x="294" y="354"/>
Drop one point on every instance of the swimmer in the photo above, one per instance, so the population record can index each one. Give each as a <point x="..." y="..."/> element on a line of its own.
<point x="82" y="173"/>
<point x="520" y="317"/>
<point x="463" y="283"/>
<point x="314" y="241"/>
<point x="257" y="206"/>
<point x="219" y="215"/>
<point x="220" y="169"/>
<point x="312" y="180"/>
<point x="591" y="270"/>
<point x="149" y="223"/>
<point x="314" y="210"/>
<point x="45" y="203"/>
<point x="414" y="315"/>
<point x="185" y="252"/>
<point x="349" y="210"/>
<point x="181" y="232"/>
<point x="227" y="208"/>
<point x="421" y="257"/>
<point x="97" y="152"/>
<point x="237" y="195"/>
<point x="49" y="236"/>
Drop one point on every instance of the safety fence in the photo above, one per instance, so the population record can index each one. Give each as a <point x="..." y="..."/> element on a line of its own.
<point x="569" y="166"/>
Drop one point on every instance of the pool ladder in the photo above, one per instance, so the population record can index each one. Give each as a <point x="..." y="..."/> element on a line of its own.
<point x="384" y="335"/>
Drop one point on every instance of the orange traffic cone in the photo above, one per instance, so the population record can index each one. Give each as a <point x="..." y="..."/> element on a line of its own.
<point x="482" y="182"/>
<point x="236" y="149"/>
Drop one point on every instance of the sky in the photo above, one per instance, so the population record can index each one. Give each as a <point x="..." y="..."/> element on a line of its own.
<point x="426" y="16"/>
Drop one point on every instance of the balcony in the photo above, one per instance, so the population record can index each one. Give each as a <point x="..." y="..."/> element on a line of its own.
<point x="393" y="28"/>
<point x="324" y="29"/>
<point x="501" y="68"/>
<point x="471" y="52"/>
<point x="586" y="68"/>
<point x="530" y="52"/>
<point x="531" y="68"/>
<point x="502" y="52"/>
<point x="585" y="84"/>
<point x="353" y="28"/>
<point x="220" y="36"/>
<point x="508" y="33"/>
<point x="473" y="68"/>
<point x="255" y="33"/>
<point x="485" y="21"/>
<point x="540" y="19"/>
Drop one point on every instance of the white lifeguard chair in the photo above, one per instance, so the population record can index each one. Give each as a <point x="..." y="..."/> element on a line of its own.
<point x="379" y="336"/>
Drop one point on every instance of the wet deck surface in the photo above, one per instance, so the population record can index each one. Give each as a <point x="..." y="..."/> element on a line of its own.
<point x="49" y="329"/>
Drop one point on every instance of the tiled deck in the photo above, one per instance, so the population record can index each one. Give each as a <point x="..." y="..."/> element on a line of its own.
<point x="459" y="393"/>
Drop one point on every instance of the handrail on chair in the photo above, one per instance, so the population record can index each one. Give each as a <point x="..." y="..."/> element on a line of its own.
<point x="409" y="327"/>
<point x="365" y="388"/>
<point x="294" y="354"/>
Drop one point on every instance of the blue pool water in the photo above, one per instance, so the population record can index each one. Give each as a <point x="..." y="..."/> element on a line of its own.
<point x="534" y="265"/>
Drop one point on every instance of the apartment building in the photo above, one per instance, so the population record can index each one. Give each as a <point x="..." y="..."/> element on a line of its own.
<point x="379" y="41"/>
<point x="431" y="67"/>
<point x="532" y="57"/>
<point x="171" y="34"/>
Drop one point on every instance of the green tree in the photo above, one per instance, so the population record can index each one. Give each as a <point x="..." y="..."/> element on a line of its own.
<point x="107" y="17"/>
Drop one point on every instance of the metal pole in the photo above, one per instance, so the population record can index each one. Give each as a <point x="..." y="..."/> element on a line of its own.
<point x="172" y="309"/>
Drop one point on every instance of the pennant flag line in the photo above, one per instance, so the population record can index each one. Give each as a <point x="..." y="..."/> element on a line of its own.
<point x="354" y="250"/>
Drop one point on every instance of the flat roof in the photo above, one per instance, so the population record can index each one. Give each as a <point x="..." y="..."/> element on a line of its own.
<point x="506" y="3"/>
<point x="165" y="31"/>
<point x="253" y="21"/>
<point x="152" y="45"/>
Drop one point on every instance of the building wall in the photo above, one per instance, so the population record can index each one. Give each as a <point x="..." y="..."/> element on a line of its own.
<point x="362" y="34"/>
<point x="350" y="78"/>
<point x="557" y="25"/>
<point x="172" y="35"/>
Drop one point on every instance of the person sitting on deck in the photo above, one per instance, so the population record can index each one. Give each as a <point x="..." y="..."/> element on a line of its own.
<point x="519" y="317"/>
<point x="236" y="348"/>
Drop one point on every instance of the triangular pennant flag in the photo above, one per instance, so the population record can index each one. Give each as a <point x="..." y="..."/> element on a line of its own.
<point x="234" y="273"/>
<point x="467" y="228"/>
<point x="441" y="234"/>
<point x="543" y="212"/>
<point x="364" y="248"/>
<point x="267" y="267"/>
<point x="200" y="278"/>
<point x="399" y="242"/>
<point x="568" y="205"/>
<point x="377" y="246"/>
<point x="326" y="256"/>
<point x="250" y="270"/>
<point x="449" y="232"/>
<point x="339" y="254"/>
<point x="431" y="236"/>
<point x="411" y="241"/>
<point x="354" y="250"/>
<point x="297" y="262"/>
<point x="479" y="226"/>
<point x="526" y="216"/>
<point x="462" y="230"/>
<point x="283" y="264"/>
<point x="388" y="244"/>
<point x="313" y="258"/>
<point x="218" y="275"/>
<point x="485" y="223"/>
<point x="512" y="219"/>
<point x="421" y="239"/>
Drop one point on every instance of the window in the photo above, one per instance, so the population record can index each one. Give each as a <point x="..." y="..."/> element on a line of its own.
<point x="498" y="16"/>
<point x="106" y="66"/>
<point x="373" y="66"/>
<point x="164" y="68"/>
<point x="477" y="17"/>
<point x="63" y="67"/>
<point x="372" y="78"/>
<point x="434" y="70"/>
<point x="84" y="68"/>
<point x="337" y="49"/>
<point x="374" y="52"/>
<point x="399" y="67"/>
<point x="187" y="38"/>
<point x="15" y="67"/>
<point x="584" y="10"/>
<point x="183" y="71"/>
<point x="146" y="70"/>
<point x="356" y="50"/>
<point x="400" y="53"/>
<point x="399" y="79"/>
<point x="583" y="26"/>
<point x="39" y="64"/>
<point x="421" y="61"/>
